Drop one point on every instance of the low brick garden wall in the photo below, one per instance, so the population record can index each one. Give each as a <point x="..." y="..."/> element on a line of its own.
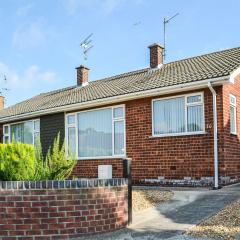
<point x="61" y="209"/>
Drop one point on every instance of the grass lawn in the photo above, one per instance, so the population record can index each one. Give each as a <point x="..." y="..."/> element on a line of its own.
<point x="224" y="225"/>
<point x="147" y="198"/>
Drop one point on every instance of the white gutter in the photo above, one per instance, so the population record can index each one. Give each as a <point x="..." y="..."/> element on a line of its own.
<point x="215" y="132"/>
<point x="120" y="98"/>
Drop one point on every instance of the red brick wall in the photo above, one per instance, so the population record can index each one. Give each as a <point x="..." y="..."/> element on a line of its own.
<point x="61" y="213"/>
<point x="231" y="142"/>
<point x="89" y="168"/>
<point x="171" y="157"/>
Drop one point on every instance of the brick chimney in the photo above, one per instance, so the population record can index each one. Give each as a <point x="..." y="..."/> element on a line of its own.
<point x="82" y="75"/>
<point x="1" y="103"/>
<point x="156" y="55"/>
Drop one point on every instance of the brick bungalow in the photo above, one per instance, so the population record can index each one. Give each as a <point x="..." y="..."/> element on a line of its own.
<point x="178" y="121"/>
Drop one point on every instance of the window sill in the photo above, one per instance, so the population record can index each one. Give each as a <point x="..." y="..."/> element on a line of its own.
<point x="178" y="134"/>
<point x="234" y="134"/>
<point x="101" y="158"/>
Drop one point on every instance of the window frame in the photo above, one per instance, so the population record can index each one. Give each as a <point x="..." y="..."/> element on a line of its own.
<point x="19" y="122"/>
<point x="186" y="105"/>
<point x="235" y="112"/>
<point x="75" y="125"/>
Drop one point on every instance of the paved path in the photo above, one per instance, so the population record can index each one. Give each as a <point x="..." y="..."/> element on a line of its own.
<point x="188" y="207"/>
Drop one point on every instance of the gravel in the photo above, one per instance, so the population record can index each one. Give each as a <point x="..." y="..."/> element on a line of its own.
<point x="224" y="225"/>
<point x="148" y="198"/>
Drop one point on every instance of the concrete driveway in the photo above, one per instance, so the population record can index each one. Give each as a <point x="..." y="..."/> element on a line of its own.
<point x="188" y="207"/>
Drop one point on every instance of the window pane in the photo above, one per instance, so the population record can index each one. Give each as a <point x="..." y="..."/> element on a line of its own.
<point x="28" y="132"/>
<point x="17" y="132"/>
<point x="194" y="99"/>
<point x="233" y="100"/>
<point x="232" y="119"/>
<point x="22" y="132"/>
<point x="37" y="126"/>
<point x="36" y="138"/>
<point x="118" y="112"/>
<point x="119" y="138"/>
<point x="71" y="141"/>
<point x="71" y="119"/>
<point x="95" y="133"/>
<point x="6" y="139"/>
<point x="195" y="118"/>
<point x="169" y="116"/>
<point x="6" y="129"/>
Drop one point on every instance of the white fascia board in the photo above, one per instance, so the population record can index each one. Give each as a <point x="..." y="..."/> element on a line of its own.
<point x="234" y="74"/>
<point x="122" y="98"/>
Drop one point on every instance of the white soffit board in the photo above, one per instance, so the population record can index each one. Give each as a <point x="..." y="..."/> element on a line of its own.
<point x="234" y="74"/>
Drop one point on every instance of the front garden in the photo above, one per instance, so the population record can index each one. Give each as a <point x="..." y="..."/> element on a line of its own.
<point x="24" y="162"/>
<point x="39" y="201"/>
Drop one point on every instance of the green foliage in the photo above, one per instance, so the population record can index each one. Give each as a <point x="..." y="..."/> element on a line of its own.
<point x="17" y="161"/>
<point x="20" y="161"/>
<point x="56" y="166"/>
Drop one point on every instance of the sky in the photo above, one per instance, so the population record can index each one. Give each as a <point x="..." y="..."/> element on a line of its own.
<point x="40" y="39"/>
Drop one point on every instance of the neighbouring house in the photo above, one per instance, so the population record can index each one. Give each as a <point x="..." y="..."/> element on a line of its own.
<point x="178" y="121"/>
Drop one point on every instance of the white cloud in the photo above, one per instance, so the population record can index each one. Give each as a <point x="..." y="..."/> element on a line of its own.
<point x="28" y="79"/>
<point x="29" y="35"/>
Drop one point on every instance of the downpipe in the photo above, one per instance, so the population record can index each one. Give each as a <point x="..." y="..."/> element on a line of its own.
<point x="215" y="136"/>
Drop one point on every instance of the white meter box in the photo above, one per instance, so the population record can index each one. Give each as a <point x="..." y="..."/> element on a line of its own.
<point x="104" y="171"/>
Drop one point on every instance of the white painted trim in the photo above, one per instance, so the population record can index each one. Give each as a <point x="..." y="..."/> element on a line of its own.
<point x="6" y="134"/>
<point x="234" y="74"/>
<point x="121" y="98"/>
<point x="113" y="121"/>
<point x="235" y="113"/>
<point x="9" y="129"/>
<point x="178" y="134"/>
<point x="186" y="105"/>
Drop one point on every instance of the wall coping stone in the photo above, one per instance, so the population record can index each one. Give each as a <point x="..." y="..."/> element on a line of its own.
<point x="63" y="184"/>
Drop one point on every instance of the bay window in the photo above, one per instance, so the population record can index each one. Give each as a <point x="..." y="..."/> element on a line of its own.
<point x="25" y="132"/>
<point x="96" y="133"/>
<point x="233" y="117"/>
<point x="178" y="115"/>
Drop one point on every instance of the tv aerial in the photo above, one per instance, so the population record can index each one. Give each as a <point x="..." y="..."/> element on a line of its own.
<point x="86" y="45"/>
<point x="165" y="22"/>
<point x="3" y="90"/>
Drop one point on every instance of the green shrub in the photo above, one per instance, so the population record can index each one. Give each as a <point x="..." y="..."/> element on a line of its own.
<point x="56" y="165"/>
<point x="17" y="161"/>
<point x="20" y="161"/>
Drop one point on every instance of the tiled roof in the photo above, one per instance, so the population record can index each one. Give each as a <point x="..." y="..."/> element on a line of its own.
<point x="212" y="65"/>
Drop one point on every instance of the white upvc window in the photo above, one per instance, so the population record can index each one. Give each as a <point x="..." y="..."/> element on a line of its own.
<point x="178" y="115"/>
<point x="98" y="133"/>
<point x="6" y="133"/>
<point x="233" y="114"/>
<point x="25" y="132"/>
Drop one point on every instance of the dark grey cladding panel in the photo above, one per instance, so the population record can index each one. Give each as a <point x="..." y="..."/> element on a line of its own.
<point x="50" y="126"/>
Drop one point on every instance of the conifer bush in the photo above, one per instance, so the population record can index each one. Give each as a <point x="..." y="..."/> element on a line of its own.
<point x="19" y="162"/>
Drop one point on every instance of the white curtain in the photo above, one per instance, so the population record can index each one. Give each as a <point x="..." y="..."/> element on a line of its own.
<point x="118" y="137"/>
<point x="195" y="118"/>
<point x="232" y="119"/>
<point x="95" y="133"/>
<point x="71" y="141"/>
<point x="169" y="116"/>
